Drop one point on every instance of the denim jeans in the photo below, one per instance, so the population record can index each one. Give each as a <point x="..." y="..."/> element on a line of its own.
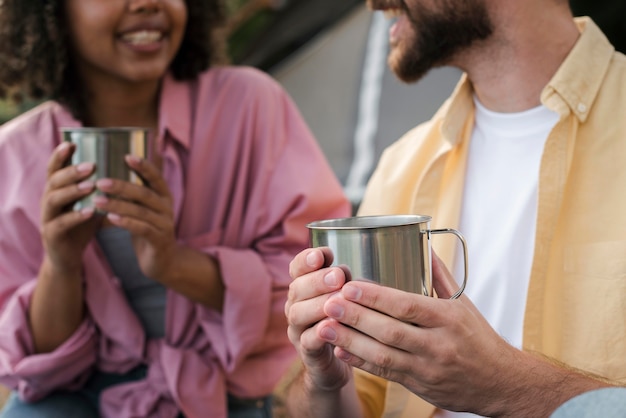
<point x="84" y="403"/>
<point x="239" y="408"/>
<point x="605" y="403"/>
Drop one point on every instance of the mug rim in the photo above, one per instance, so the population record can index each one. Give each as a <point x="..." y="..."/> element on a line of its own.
<point x="104" y="129"/>
<point x="369" y="222"/>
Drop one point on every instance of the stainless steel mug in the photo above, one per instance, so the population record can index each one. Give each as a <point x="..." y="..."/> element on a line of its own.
<point x="393" y="250"/>
<point x="106" y="147"/>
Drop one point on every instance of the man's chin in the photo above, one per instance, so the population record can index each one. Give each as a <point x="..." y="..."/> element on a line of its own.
<point x="406" y="72"/>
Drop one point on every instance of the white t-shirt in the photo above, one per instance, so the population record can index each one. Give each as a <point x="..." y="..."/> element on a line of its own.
<point x="499" y="214"/>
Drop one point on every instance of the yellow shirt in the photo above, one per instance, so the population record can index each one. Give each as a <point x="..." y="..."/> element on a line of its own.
<point x="576" y="307"/>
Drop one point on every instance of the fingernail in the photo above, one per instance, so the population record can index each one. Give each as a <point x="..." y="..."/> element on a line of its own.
<point x="84" y="167"/>
<point x="351" y="292"/>
<point x="113" y="217"/>
<point x="328" y="334"/>
<point x="133" y="159"/>
<point x="100" y="200"/>
<point x="311" y="259"/>
<point x="344" y="355"/>
<point x="86" y="212"/>
<point x="104" y="184"/>
<point x="334" y="310"/>
<point x="63" y="146"/>
<point x="331" y="279"/>
<point x="86" y="185"/>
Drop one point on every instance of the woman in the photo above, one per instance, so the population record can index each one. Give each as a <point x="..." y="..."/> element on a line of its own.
<point x="172" y="304"/>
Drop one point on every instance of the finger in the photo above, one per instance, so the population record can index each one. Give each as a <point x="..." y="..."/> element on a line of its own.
<point x="150" y="174"/>
<point x="64" y="176"/>
<point x="309" y="341"/>
<point x="363" y="351"/>
<point x="67" y="221"/>
<point x="310" y="260"/>
<point x="59" y="157"/>
<point x="124" y="209"/>
<point x="305" y="313"/>
<point x="323" y="367"/>
<point x="386" y="329"/>
<point x="443" y="282"/>
<point x="317" y="283"/>
<point x="408" y="307"/>
<point x="135" y="193"/>
<point x="136" y="227"/>
<point x="57" y="201"/>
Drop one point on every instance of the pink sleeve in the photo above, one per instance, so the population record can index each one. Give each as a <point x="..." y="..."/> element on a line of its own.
<point x="36" y="375"/>
<point x="293" y="185"/>
<point x="22" y="175"/>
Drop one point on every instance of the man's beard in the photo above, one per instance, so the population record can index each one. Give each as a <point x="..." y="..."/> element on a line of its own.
<point x="438" y="37"/>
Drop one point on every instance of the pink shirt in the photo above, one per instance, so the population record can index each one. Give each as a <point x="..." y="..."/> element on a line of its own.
<point x="246" y="176"/>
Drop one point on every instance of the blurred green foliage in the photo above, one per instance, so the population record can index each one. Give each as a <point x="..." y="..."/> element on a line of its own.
<point x="240" y="40"/>
<point x="9" y="108"/>
<point x="233" y="5"/>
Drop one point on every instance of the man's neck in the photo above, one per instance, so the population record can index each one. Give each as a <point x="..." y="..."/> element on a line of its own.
<point x="510" y="70"/>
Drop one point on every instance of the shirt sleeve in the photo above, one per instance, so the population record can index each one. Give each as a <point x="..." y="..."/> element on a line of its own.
<point x="289" y="185"/>
<point x="32" y="375"/>
<point x="371" y="391"/>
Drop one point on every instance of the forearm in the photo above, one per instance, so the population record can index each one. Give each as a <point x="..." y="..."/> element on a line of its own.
<point x="543" y="385"/>
<point x="303" y="400"/>
<point x="57" y="307"/>
<point x="196" y="276"/>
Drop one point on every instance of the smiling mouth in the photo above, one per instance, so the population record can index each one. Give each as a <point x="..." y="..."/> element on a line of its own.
<point x="143" y="37"/>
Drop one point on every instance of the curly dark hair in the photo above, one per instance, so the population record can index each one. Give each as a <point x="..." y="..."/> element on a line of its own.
<point x="35" y="59"/>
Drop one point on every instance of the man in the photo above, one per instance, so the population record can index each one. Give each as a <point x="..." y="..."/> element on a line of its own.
<point x="526" y="159"/>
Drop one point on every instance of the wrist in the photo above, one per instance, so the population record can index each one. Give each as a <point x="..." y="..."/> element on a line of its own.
<point x="171" y="266"/>
<point x="60" y="271"/>
<point x="321" y="382"/>
<point x="537" y="385"/>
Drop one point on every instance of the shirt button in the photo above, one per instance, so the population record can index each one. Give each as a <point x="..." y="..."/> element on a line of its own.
<point x="582" y="108"/>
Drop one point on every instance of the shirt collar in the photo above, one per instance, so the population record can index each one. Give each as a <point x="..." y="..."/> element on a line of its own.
<point x="460" y="108"/>
<point x="576" y="82"/>
<point x="175" y="113"/>
<point x="578" y="79"/>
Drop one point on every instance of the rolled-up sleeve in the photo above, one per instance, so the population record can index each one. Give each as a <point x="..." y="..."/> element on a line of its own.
<point x="36" y="375"/>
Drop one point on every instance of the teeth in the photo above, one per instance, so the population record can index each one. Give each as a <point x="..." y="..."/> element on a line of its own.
<point x="392" y="13"/>
<point x="142" y="37"/>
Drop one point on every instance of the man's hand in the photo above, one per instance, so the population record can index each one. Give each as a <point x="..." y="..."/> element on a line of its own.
<point x="313" y="285"/>
<point x="440" y="349"/>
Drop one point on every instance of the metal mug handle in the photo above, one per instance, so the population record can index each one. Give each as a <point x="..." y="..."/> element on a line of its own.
<point x="462" y="239"/>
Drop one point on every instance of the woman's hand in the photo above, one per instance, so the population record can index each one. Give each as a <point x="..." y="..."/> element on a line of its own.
<point x="65" y="233"/>
<point x="147" y="213"/>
